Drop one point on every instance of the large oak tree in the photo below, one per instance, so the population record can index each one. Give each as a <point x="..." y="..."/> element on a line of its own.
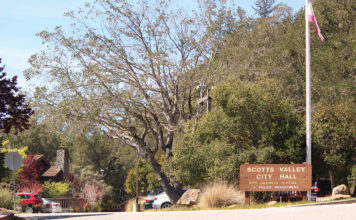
<point x="130" y="69"/>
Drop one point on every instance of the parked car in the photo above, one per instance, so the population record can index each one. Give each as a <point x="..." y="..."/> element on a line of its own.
<point x="30" y="202"/>
<point x="150" y="197"/>
<point x="321" y="187"/>
<point x="50" y="206"/>
<point x="161" y="201"/>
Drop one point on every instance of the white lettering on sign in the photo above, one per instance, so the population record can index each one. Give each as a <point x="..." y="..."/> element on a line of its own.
<point x="292" y="169"/>
<point x="260" y="169"/>
<point x="287" y="177"/>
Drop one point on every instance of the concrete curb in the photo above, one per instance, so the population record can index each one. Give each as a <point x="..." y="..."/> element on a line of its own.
<point x="7" y="216"/>
<point x="337" y="202"/>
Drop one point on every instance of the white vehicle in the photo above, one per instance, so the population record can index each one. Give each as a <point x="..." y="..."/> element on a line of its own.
<point x="50" y="206"/>
<point x="161" y="201"/>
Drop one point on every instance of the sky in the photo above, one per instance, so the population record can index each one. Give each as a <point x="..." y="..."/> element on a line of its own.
<point x="21" y="20"/>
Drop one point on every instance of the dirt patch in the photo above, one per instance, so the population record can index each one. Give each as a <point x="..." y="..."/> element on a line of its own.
<point x="5" y="211"/>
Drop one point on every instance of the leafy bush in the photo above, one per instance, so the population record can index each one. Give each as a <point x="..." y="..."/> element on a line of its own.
<point x="96" y="207"/>
<point x="55" y="189"/>
<point x="220" y="193"/>
<point x="6" y="200"/>
<point x="146" y="177"/>
<point x="31" y="187"/>
<point x="4" y="150"/>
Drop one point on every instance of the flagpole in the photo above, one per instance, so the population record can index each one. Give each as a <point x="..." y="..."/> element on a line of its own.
<point x="308" y="86"/>
<point x="308" y="89"/>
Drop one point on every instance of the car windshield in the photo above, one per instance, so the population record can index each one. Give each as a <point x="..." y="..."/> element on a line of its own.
<point x="161" y="193"/>
<point x="46" y="200"/>
<point x="155" y="192"/>
<point x="23" y="196"/>
<point x="37" y="197"/>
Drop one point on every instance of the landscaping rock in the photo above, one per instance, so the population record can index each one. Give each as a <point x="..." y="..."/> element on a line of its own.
<point x="338" y="197"/>
<point x="190" y="197"/>
<point x="272" y="203"/>
<point x="341" y="190"/>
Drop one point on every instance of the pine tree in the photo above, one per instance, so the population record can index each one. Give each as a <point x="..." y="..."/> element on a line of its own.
<point x="264" y="8"/>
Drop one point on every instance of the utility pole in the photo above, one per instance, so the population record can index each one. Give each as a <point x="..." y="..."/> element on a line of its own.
<point x="136" y="201"/>
<point x="203" y="99"/>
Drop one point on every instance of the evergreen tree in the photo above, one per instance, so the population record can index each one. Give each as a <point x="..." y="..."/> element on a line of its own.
<point x="264" y="8"/>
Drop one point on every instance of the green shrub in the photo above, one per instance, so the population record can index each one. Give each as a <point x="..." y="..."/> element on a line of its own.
<point x="55" y="189"/>
<point x="96" y="208"/>
<point x="146" y="177"/>
<point x="6" y="200"/>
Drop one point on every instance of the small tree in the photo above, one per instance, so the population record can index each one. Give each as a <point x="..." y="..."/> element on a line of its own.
<point x="29" y="174"/>
<point x="14" y="113"/>
<point x="55" y="189"/>
<point x="335" y="131"/>
<point x="147" y="179"/>
<point x="93" y="193"/>
<point x="30" y="170"/>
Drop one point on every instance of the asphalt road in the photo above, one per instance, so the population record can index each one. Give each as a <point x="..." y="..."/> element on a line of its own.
<point x="322" y="212"/>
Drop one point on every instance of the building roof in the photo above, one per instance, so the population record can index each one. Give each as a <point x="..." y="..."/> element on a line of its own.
<point x="53" y="171"/>
<point x="38" y="157"/>
<point x="41" y="159"/>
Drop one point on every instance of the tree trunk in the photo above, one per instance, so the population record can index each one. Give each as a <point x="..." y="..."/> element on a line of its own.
<point x="346" y="173"/>
<point x="190" y="107"/>
<point x="332" y="180"/>
<point x="175" y="191"/>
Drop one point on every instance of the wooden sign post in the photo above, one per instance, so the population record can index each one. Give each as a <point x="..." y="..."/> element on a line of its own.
<point x="275" y="178"/>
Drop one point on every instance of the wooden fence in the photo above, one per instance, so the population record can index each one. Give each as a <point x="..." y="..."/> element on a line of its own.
<point x="70" y="204"/>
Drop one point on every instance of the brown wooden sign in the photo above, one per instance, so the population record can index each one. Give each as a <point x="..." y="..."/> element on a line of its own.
<point x="276" y="177"/>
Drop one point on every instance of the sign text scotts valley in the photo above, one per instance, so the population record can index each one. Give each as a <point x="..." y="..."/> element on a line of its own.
<point x="275" y="177"/>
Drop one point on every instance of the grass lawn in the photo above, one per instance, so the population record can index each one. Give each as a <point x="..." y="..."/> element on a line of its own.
<point x="254" y="206"/>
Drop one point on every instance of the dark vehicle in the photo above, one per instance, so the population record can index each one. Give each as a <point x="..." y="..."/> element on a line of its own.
<point x="321" y="187"/>
<point x="150" y="197"/>
<point x="291" y="196"/>
<point x="30" y="202"/>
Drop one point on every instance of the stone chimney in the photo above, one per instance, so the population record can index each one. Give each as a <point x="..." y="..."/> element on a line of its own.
<point x="63" y="161"/>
